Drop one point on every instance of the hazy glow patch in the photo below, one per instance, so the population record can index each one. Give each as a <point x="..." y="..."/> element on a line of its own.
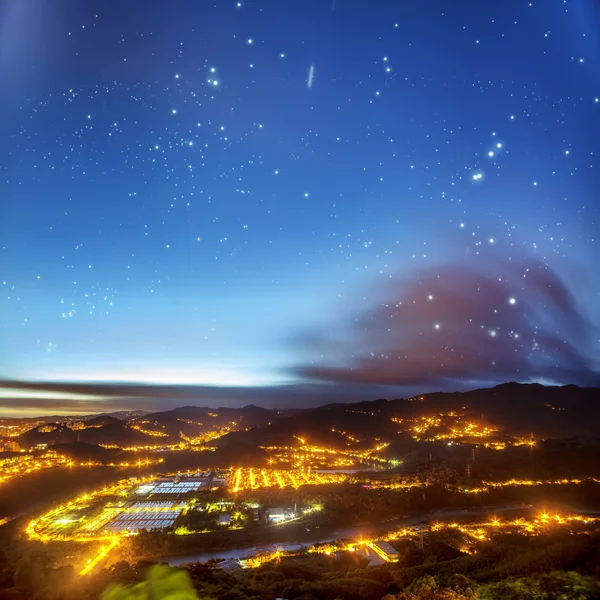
<point x="19" y="412"/>
<point x="16" y="393"/>
<point x="545" y="381"/>
<point x="171" y="376"/>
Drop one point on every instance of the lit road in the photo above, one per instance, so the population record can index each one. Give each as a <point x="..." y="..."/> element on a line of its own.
<point x="346" y="533"/>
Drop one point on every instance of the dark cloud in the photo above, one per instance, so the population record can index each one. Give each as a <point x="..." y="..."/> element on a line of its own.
<point x="450" y="325"/>
<point x="91" y="398"/>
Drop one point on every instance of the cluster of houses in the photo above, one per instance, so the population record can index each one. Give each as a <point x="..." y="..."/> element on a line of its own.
<point x="271" y="515"/>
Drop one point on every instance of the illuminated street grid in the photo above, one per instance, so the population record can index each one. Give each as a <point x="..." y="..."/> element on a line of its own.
<point x="196" y="443"/>
<point x="149" y="432"/>
<point x="101" y="555"/>
<point x="24" y="464"/>
<point x="10" y="428"/>
<point x="407" y="483"/>
<point x="83" y="519"/>
<point x="171" y="487"/>
<point x="486" y="486"/>
<point x="95" y="516"/>
<point x="303" y="455"/>
<point x="456" y="428"/>
<point x="119" y="508"/>
<point x="473" y="535"/>
<point x="253" y="479"/>
<point x="27" y="463"/>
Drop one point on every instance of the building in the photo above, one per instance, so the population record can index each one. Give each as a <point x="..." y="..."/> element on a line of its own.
<point x="229" y="565"/>
<point x="47" y="428"/>
<point x="366" y="551"/>
<point x="224" y="519"/>
<point x="277" y="515"/>
<point x="387" y="552"/>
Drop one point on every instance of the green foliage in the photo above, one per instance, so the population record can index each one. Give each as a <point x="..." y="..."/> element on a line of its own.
<point x="163" y="583"/>
<point x="427" y="588"/>
<point x="552" y="586"/>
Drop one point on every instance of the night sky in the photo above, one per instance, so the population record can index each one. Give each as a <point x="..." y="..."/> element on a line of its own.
<point x="288" y="203"/>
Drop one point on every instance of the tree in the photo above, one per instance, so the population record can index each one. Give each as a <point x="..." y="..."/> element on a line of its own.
<point x="162" y="583"/>
<point x="28" y="575"/>
<point x="427" y="588"/>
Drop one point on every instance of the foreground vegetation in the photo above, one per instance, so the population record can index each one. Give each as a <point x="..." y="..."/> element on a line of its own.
<point x="163" y="582"/>
<point x="557" y="565"/>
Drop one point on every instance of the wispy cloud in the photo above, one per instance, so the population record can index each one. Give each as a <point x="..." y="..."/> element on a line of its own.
<point x="452" y="324"/>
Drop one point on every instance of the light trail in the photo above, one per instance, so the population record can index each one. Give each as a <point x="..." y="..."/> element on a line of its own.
<point x="104" y="550"/>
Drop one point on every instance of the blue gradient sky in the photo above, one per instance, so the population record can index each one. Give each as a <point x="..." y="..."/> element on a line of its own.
<point x="180" y="206"/>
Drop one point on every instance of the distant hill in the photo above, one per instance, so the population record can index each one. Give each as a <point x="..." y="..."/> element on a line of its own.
<point x="547" y="411"/>
<point x="515" y="409"/>
<point x="195" y="420"/>
<point x="521" y="409"/>
<point x="123" y="415"/>
<point x="109" y="433"/>
<point x="150" y="428"/>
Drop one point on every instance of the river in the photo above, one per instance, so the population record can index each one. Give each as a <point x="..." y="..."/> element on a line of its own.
<point x="339" y="534"/>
